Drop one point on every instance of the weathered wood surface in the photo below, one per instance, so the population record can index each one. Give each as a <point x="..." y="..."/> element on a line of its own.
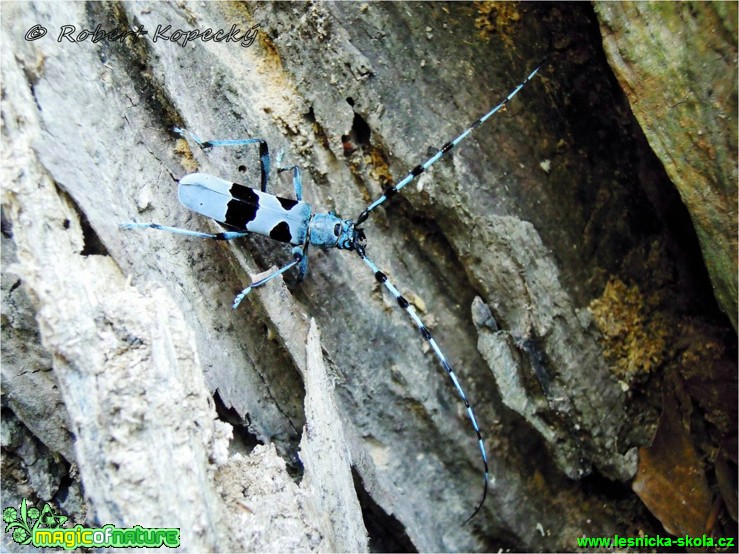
<point x="550" y="255"/>
<point x="677" y="66"/>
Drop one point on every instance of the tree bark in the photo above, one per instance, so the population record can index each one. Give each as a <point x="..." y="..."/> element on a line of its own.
<point x="549" y="254"/>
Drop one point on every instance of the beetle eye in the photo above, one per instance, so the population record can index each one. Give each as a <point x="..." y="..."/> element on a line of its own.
<point x="337" y="228"/>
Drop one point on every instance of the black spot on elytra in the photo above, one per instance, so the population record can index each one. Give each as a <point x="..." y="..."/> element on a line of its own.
<point x="244" y="193"/>
<point x="238" y="214"/>
<point x="243" y="207"/>
<point x="287" y="203"/>
<point x="281" y="232"/>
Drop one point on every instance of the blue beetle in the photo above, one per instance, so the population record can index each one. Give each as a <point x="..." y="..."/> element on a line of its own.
<point x="247" y="210"/>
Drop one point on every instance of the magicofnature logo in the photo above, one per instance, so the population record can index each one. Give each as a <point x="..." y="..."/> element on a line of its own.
<point x="43" y="528"/>
<point x="24" y="521"/>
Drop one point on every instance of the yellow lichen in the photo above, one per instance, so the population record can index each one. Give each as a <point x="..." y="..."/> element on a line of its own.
<point x="495" y="17"/>
<point x="380" y="171"/>
<point x="634" y="334"/>
<point x="183" y="149"/>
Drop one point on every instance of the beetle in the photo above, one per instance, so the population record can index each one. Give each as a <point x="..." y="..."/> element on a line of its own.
<point x="247" y="210"/>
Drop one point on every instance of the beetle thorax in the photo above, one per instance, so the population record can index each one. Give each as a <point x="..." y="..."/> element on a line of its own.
<point x="330" y="231"/>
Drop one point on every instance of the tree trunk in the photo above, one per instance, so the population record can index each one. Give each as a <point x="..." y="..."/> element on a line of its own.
<point x="549" y="254"/>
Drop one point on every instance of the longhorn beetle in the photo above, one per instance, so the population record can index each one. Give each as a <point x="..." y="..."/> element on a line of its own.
<point x="291" y="221"/>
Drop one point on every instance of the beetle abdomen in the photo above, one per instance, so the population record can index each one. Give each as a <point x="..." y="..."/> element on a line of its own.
<point x="242" y="207"/>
